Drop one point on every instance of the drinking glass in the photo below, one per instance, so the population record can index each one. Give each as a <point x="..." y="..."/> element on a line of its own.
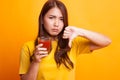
<point x="46" y="41"/>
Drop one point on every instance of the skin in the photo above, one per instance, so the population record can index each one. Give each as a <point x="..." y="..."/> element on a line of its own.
<point x="53" y="22"/>
<point x="97" y="40"/>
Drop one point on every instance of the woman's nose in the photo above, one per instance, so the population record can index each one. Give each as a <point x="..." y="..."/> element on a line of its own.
<point x="56" y="23"/>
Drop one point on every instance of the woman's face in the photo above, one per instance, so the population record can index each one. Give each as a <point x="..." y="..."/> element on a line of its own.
<point x="53" y="21"/>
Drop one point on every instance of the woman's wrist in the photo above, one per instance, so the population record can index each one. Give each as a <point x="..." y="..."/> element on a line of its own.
<point x="81" y="32"/>
<point x="35" y="62"/>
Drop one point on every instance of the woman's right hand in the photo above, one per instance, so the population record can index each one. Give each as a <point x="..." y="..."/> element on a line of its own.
<point x="39" y="53"/>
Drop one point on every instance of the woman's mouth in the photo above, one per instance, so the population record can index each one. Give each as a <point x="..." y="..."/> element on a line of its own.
<point x="55" y="30"/>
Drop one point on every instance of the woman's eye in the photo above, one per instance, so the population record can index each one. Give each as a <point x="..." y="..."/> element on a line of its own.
<point x="50" y="17"/>
<point x="61" y="19"/>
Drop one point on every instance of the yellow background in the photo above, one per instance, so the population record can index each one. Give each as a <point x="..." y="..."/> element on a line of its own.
<point x="19" y="23"/>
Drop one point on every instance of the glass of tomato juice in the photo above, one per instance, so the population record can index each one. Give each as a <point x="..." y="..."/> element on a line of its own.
<point x="46" y="41"/>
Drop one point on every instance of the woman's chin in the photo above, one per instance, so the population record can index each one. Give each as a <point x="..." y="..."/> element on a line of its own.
<point x="54" y="34"/>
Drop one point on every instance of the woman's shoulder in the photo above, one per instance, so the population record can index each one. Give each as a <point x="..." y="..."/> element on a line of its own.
<point x="29" y="44"/>
<point x="27" y="48"/>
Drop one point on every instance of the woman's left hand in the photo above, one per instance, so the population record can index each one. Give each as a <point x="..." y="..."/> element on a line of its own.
<point x="70" y="33"/>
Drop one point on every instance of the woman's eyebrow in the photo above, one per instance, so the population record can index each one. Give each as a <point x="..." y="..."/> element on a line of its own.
<point x="55" y="16"/>
<point x="52" y="16"/>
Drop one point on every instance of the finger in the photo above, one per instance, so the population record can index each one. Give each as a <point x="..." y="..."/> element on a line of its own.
<point x="43" y="49"/>
<point x="39" y="45"/>
<point x="41" y="56"/>
<point x="43" y="52"/>
<point x="40" y="52"/>
<point x="66" y="32"/>
<point x="70" y="42"/>
<point x="67" y="28"/>
<point x="65" y="36"/>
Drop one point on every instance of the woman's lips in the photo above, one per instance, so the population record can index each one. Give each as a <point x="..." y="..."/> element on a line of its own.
<point x="55" y="30"/>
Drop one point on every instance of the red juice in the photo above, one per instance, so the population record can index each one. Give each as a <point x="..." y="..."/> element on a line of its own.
<point x="46" y="43"/>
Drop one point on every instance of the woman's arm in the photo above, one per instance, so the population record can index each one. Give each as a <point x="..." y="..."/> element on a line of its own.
<point x="39" y="53"/>
<point x="32" y="72"/>
<point x="97" y="40"/>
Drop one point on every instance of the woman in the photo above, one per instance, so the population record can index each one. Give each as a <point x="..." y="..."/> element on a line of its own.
<point x="67" y="42"/>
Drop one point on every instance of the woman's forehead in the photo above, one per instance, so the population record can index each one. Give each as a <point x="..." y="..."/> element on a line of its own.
<point x="54" y="11"/>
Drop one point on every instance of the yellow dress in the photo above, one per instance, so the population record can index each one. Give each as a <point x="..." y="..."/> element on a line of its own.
<point x="48" y="69"/>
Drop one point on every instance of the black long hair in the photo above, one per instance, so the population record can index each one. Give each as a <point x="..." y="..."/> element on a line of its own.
<point x="60" y="56"/>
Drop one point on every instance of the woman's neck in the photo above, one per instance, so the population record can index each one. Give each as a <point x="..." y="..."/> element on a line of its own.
<point x="53" y="38"/>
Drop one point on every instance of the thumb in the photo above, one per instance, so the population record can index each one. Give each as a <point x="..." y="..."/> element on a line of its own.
<point x="70" y="43"/>
<point x="71" y="39"/>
